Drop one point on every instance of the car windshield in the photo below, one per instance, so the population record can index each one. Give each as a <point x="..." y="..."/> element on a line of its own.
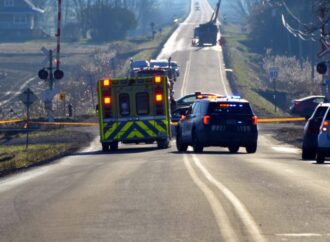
<point x="159" y="64"/>
<point x="230" y="108"/>
<point x="139" y="64"/>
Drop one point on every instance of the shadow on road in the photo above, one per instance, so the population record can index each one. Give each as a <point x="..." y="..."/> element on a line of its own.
<point x="120" y="151"/>
<point x="209" y="153"/>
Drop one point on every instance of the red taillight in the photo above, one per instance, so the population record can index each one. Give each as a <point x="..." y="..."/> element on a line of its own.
<point x="206" y="119"/>
<point x="255" y="120"/>
<point x="325" y="126"/>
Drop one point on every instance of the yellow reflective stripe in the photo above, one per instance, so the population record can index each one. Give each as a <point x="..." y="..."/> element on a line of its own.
<point x="123" y="130"/>
<point x="134" y="134"/>
<point x="111" y="130"/>
<point x="158" y="127"/>
<point x="146" y="129"/>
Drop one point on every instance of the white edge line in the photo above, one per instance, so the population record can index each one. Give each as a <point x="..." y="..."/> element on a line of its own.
<point x="241" y="210"/>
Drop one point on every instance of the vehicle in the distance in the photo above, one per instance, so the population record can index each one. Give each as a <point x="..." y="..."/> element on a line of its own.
<point x="176" y="68"/>
<point x="226" y="122"/>
<point x="304" y="107"/>
<point x="311" y="131"/>
<point x="323" y="139"/>
<point x="189" y="99"/>
<point x="161" y="64"/>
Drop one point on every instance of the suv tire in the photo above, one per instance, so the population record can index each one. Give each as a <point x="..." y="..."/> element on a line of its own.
<point x="251" y="148"/>
<point x="320" y="158"/>
<point x="181" y="147"/>
<point x="233" y="149"/>
<point x="196" y="144"/>
<point x="307" y="154"/>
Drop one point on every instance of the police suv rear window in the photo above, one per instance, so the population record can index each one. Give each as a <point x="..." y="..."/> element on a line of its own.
<point x="229" y="108"/>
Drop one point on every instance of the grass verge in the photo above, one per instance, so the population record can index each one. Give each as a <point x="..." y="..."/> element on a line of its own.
<point x="44" y="146"/>
<point x="244" y="80"/>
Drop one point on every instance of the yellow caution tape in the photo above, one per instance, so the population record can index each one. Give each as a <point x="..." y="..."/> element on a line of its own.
<point x="67" y="123"/>
<point x="277" y="120"/>
<point x="260" y="120"/>
<point x="11" y="121"/>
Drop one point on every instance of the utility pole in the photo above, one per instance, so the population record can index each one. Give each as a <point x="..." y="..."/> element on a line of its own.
<point x="323" y="67"/>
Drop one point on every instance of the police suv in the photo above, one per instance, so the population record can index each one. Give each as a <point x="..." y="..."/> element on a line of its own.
<point x="227" y="122"/>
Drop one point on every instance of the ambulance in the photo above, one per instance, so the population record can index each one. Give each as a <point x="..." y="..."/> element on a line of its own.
<point x="134" y="110"/>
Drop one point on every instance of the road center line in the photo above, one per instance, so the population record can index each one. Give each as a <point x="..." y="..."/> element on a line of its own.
<point x="241" y="210"/>
<point x="219" y="212"/>
<point x="186" y="75"/>
<point x="221" y="74"/>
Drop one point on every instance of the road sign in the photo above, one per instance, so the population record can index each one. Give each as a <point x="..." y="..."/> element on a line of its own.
<point x="27" y="97"/>
<point x="273" y="72"/>
<point x="325" y="48"/>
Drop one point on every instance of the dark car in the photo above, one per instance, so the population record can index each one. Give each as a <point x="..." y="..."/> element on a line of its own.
<point x="311" y="131"/>
<point x="189" y="99"/>
<point x="222" y="122"/>
<point x="178" y="113"/>
<point x="304" y="107"/>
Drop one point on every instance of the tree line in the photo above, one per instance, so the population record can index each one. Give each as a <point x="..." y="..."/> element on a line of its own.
<point x="100" y="20"/>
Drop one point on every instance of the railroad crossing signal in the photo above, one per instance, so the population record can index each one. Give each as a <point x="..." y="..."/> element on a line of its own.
<point x="27" y="97"/>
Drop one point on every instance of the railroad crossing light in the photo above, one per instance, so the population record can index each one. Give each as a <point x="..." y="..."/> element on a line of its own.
<point x="43" y="74"/>
<point x="58" y="74"/>
<point x="321" y="68"/>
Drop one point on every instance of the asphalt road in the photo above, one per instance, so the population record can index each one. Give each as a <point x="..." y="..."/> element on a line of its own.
<point x="144" y="194"/>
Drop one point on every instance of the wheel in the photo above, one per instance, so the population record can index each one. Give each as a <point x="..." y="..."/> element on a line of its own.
<point x="308" y="154"/>
<point x="181" y="147"/>
<point x="114" y="146"/>
<point x="320" y="158"/>
<point x="251" y="148"/>
<point x="163" y="144"/>
<point x="105" y="147"/>
<point x="233" y="148"/>
<point x="197" y="146"/>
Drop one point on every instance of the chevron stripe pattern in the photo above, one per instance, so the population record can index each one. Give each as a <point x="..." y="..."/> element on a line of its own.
<point x="135" y="129"/>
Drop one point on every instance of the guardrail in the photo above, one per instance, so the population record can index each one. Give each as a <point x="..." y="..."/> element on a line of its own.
<point x="260" y="120"/>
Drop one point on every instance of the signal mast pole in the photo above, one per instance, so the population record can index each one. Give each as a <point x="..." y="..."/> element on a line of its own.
<point x="58" y="34"/>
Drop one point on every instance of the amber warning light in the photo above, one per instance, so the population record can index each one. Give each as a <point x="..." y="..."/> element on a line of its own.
<point x="106" y="83"/>
<point x="159" y="97"/>
<point x="107" y="100"/>
<point x="158" y="79"/>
